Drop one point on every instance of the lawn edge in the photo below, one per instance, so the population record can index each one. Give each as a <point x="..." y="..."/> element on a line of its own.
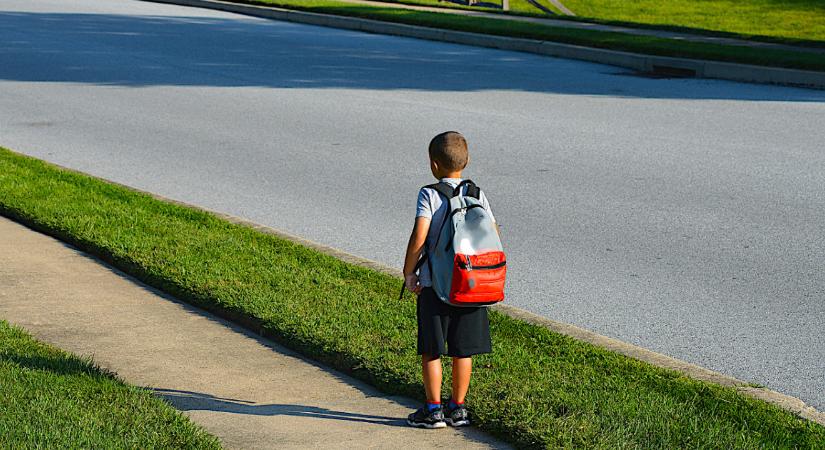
<point x="786" y="402"/>
<point x="650" y="63"/>
<point x="704" y="32"/>
<point x="96" y="369"/>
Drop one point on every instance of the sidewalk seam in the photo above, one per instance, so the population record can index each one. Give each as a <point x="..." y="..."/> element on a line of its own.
<point x="640" y="62"/>
<point x="784" y="401"/>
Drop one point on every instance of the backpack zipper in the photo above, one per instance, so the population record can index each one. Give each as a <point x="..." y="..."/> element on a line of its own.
<point x="469" y="266"/>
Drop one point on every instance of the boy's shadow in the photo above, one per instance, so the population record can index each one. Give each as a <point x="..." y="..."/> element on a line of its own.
<point x="187" y="401"/>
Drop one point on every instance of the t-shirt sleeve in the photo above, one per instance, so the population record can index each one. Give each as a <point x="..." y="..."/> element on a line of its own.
<point x="424" y="206"/>
<point x="483" y="199"/>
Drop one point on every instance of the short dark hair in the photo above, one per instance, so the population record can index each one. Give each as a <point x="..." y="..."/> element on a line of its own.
<point x="449" y="150"/>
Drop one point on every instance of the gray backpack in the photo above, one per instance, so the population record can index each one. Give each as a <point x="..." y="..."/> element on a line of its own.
<point x="468" y="266"/>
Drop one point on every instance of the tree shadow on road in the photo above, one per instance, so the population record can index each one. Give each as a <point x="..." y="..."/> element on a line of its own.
<point x="144" y="50"/>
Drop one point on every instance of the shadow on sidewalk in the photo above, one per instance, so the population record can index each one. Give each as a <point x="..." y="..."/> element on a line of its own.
<point x="188" y="401"/>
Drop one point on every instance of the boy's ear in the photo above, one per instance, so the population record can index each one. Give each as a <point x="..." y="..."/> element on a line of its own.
<point x="434" y="166"/>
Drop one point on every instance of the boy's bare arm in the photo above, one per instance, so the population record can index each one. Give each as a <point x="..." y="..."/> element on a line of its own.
<point x="414" y="248"/>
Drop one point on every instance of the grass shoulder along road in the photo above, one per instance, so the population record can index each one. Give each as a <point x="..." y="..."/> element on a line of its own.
<point x="589" y="38"/>
<point x="52" y="399"/>
<point x="537" y="389"/>
<point x="799" y="22"/>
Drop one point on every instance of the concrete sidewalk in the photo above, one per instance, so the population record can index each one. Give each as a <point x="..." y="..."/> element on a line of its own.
<point x="248" y="391"/>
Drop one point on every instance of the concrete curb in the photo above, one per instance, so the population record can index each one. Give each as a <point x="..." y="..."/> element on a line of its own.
<point x="786" y="402"/>
<point x="681" y="67"/>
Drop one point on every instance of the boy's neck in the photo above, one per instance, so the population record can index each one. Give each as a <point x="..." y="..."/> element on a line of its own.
<point x="451" y="175"/>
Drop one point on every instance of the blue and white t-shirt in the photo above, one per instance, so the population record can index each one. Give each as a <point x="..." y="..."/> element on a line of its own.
<point x="432" y="206"/>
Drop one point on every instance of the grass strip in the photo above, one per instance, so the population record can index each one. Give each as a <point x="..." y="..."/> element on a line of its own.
<point x="538" y="388"/>
<point x="589" y="38"/>
<point x="51" y="399"/>
<point x="794" y="22"/>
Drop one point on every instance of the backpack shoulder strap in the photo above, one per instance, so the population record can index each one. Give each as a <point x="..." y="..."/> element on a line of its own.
<point x="472" y="190"/>
<point x="449" y="192"/>
<point x="442" y="188"/>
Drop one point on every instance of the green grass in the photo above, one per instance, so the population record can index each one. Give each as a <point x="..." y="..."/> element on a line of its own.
<point x="598" y="39"/>
<point x="784" y="19"/>
<point x="770" y="20"/>
<point x="51" y="399"/>
<point x="538" y="388"/>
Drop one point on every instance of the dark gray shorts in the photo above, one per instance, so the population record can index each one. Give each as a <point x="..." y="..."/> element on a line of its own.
<point x="466" y="331"/>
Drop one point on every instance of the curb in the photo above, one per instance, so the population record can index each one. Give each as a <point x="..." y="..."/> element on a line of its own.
<point x="786" y="402"/>
<point x="667" y="66"/>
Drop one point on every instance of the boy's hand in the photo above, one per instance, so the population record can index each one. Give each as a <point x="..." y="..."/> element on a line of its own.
<point x="411" y="283"/>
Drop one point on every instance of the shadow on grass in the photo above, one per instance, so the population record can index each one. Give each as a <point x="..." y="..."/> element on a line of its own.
<point x="56" y="364"/>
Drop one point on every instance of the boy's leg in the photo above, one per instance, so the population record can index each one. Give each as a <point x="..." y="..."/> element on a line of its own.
<point x="432" y="327"/>
<point x="462" y="371"/>
<point x="456" y="413"/>
<point x="431" y="369"/>
<point x="468" y="334"/>
<point x="431" y="415"/>
<point x="433" y="322"/>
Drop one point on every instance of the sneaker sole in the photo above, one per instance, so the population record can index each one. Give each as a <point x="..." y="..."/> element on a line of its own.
<point x="460" y="423"/>
<point x="429" y="426"/>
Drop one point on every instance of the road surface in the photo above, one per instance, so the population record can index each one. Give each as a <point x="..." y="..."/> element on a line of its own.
<point x="682" y="215"/>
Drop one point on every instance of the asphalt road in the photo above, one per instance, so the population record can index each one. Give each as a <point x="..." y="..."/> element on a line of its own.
<point x="685" y="216"/>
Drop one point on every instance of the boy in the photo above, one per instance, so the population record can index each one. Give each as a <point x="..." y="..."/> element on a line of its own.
<point x="466" y="330"/>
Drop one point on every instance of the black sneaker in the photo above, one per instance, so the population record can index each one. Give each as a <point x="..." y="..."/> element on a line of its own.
<point x="423" y="418"/>
<point x="457" y="417"/>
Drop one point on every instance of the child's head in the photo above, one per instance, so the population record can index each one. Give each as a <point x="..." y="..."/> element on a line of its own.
<point x="448" y="154"/>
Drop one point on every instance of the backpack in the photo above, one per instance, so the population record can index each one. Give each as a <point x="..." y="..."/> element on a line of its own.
<point x="468" y="265"/>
